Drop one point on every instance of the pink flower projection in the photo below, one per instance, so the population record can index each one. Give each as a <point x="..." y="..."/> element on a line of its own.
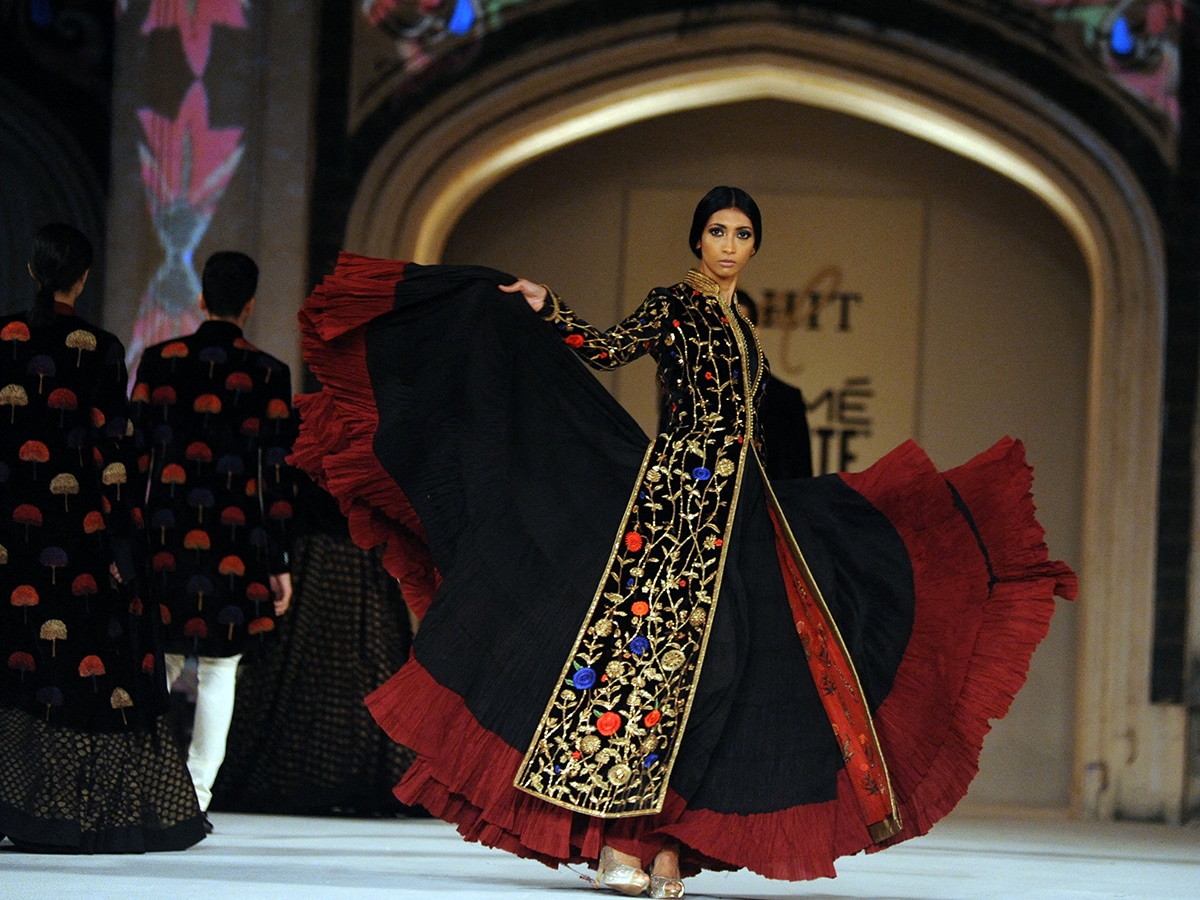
<point x="195" y="20"/>
<point x="1137" y="41"/>
<point x="185" y="161"/>
<point x="185" y="167"/>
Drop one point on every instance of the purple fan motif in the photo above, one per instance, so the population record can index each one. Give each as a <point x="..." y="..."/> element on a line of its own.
<point x="162" y="435"/>
<point x="43" y="367"/>
<point x="214" y="356"/>
<point x="50" y="696"/>
<point x="266" y="362"/>
<point x="199" y="585"/>
<point x="114" y="629"/>
<point x="53" y="558"/>
<point x="230" y="465"/>
<point x="276" y="457"/>
<point x="115" y="428"/>
<point x="76" y="438"/>
<point x="160" y="521"/>
<point x="200" y="499"/>
<point x="232" y="616"/>
<point x="258" y="539"/>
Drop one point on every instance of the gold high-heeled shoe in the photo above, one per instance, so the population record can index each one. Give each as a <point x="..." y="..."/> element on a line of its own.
<point x="661" y="886"/>
<point x="622" y="878"/>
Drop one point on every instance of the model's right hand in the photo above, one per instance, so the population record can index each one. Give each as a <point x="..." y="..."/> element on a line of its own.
<point x="534" y="293"/>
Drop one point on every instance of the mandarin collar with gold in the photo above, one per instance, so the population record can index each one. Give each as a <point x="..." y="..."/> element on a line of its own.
<point x="701" y="282"/>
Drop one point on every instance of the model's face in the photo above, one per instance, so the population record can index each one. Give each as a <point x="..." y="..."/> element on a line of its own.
<point x="726" y="245"/>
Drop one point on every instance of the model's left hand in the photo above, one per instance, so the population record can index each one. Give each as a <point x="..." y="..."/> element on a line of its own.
<point x="281" y="587"/>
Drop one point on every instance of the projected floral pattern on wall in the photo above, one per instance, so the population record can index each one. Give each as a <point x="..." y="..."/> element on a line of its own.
<point x="185" y="166"/>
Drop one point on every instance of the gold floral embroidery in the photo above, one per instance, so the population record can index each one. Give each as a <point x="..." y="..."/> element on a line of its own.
<point x="609" y="736"/>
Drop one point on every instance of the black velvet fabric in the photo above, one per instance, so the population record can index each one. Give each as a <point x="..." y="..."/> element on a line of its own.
<point x="519" y="489"/>
<point x="786" y="443"/>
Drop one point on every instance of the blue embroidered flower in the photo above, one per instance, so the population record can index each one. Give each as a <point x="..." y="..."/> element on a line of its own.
<point x="639" y="645"/>
<point x="630" y="583"/>
<point x="584" y="679"/>
<point x="650" y="760"/>
<point x="701" y="474"/>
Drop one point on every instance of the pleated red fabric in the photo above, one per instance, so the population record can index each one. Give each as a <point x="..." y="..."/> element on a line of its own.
<point x="339" y="422"/>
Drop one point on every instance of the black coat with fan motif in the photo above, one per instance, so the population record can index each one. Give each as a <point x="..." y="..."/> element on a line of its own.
<point x="76" y="648"/>
<point x="214" y="419"/>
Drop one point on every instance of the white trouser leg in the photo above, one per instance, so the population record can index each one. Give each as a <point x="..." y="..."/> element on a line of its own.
<point x="216" y="684"/>
<point x="174" y="663"/>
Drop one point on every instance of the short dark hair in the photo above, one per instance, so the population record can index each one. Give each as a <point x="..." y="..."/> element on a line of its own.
<point x="60" y="256"/>
<point x="229" y="282"/>
<point x="717" y="199"/>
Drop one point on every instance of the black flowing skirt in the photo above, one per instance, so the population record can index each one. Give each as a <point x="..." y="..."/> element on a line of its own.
<point x="301" y="739"/>
<point x="67" y="790"/>
<point x="459" y="431"/>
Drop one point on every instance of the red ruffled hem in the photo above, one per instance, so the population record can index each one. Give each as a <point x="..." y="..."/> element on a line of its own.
<point x="335" y="445"/>
<point x="973" y="649"/>
<point x="471" y="786"/>
<point x="974" y="632"/>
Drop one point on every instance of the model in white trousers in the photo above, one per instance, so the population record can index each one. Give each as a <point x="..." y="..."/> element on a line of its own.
<point x="216" y="684"/>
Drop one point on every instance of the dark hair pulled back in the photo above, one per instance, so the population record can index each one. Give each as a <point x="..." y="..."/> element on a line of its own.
<point x="717" y="199"/>
<point x="229" y="281"/>
<point x="60" y="256"/>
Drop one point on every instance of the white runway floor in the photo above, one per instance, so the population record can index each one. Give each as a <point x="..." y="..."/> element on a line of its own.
<point x="269" y="857"/>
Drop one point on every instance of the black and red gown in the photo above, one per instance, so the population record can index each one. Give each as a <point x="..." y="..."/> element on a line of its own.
<point x="628" y="640"/>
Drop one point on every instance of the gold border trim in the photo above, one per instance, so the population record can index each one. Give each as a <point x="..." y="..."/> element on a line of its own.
<point x="794" y="547"/>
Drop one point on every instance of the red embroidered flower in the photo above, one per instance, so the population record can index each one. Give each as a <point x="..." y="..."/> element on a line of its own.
<point x="640" y="608"/>
<point x="719" y="542"/>
<point x="574" y="340"/>
<point x="652" y="718"/>
<point x="633" y="541"/>
<point x="608" y="723"/>
<point x="708" y="375"/>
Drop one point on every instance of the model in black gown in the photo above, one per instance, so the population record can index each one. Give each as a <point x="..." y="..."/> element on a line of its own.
<point x="645" y="644"/>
